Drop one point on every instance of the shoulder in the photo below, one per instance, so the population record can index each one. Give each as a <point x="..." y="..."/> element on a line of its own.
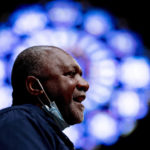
<point x="25" y="117"/>
<point x="26" y="128"/>
<point x="30" y="126"/>
<point x="14" y="113"/>
<point x="18" y="117"/>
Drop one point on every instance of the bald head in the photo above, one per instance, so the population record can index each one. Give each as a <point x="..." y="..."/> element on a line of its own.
<point x="59" y="74"/>
<point x="32" y="61"/>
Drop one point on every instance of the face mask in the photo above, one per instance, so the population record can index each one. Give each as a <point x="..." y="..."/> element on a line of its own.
<point x="52" y="110"/>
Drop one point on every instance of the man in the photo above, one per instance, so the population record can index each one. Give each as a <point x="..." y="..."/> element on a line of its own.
<point x="48" y="89"/>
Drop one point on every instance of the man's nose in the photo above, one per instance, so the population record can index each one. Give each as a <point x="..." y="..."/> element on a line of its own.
<point x="82" y="85"/>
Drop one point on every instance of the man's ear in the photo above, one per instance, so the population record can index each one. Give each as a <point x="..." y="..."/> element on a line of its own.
<point x="32" y="86"/>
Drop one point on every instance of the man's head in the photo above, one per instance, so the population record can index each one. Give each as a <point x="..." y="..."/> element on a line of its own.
<point x="60" y="76"/>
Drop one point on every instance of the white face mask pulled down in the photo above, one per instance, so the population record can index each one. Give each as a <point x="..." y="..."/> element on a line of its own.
<point x="52" y="110"/>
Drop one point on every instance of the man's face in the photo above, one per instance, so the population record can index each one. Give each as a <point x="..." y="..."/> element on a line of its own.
<point x="66" y="86"/>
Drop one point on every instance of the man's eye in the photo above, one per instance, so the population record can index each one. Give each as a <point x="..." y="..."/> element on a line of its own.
<point x="70" y="74"/>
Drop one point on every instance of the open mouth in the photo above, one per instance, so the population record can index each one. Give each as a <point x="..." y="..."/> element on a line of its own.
<point x="79" y="99"/>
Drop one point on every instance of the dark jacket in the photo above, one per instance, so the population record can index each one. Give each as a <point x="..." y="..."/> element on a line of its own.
<point x="27" y="127"/>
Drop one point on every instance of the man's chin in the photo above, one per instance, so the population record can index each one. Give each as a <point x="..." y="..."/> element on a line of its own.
<point x="74" y="115"/>
<point x="73" y="121"/>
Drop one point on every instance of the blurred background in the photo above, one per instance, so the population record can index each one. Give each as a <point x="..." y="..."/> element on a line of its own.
<point x="110" y="40"/>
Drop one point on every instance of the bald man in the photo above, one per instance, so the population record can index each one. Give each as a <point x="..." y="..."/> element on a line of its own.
<point x="48" y="90"/>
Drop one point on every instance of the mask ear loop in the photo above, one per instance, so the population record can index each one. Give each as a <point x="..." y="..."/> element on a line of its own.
<point x="52" y="110"/>
<point x="44" y="94"/>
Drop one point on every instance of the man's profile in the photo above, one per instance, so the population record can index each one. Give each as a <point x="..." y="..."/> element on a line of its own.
<point x="48" y="89"/>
